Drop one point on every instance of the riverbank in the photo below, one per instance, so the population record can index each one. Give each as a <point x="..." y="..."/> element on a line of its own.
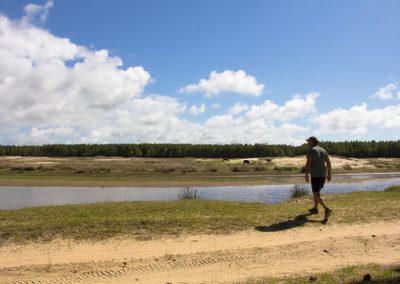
<point x="199" y="241"/>
<point x="142" y="172"/>
<point x="157" y="219"/>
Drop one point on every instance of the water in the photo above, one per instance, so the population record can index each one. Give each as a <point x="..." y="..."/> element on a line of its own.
<point x="12" y="197"/>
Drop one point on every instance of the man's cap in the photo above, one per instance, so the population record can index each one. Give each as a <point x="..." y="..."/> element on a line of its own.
<point x="313" y="139"/>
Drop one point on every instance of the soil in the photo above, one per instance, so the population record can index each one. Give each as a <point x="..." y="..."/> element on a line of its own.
<point x="262" y="252"/>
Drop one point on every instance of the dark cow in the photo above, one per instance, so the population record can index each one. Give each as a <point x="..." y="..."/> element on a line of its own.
<point x="225" y="159"/>
<point x="246" y="162"/>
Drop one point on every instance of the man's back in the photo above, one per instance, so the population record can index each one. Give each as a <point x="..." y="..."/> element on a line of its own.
<point x="318" y="157"/>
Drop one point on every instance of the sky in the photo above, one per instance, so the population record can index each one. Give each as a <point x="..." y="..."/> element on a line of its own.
<point x="179" y="71"/>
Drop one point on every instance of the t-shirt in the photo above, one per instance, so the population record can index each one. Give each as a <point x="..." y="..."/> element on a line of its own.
<point x="318" y="157"/>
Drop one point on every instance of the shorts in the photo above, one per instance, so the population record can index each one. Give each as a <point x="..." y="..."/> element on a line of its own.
<point x="317" y="183"/>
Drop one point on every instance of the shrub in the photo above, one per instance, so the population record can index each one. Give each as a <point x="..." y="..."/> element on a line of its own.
<point x="259" y="168"/>
<point x="166" y="169"/>
<point x="347" y="167"/>
<point x="188" y="193"/>
<point x="279" y="169"/>
<point x="393" y="188"/>
<point x="22" y="168"/>
<point x="236" y="169"/>
<point x="298" y="190"/>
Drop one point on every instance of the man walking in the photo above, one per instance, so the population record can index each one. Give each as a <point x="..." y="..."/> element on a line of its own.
<point x="317" y="157"/>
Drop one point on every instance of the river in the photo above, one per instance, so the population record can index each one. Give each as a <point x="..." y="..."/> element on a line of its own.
<point x="13" y="197"/>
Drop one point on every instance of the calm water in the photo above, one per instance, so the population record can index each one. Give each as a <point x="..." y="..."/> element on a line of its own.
<point x="12" y="197"/>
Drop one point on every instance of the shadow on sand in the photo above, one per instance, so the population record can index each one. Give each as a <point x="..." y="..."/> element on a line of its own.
<point x="300" y="220"/>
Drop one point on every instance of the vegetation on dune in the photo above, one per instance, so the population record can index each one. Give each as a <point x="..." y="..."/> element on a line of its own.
<point x="371" y="273"/>
<point x="355" y="149"/>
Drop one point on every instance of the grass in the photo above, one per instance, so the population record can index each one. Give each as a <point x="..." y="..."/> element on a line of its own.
<point x="188" y="193"/>
<point x="116" y="171"/>
<point x="298" y="190"/>
<point x="394" y="188"/>
<point x="352" y="275"/>
<point x="147" y="220"/>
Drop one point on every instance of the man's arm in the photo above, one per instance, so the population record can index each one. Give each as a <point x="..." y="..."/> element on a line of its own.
<point x="308" y="168"/>
<point x="329" y="167"/>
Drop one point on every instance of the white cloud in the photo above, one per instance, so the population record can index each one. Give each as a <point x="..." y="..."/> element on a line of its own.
<point x="387" y="92"/>
<point x="238" y="108"/>
<point x="50" y="135"/>
<point x="298" y="106"/>
<point x="216" y="105"/>
<point x="46" y="80"/>
<point x="196" y="110"/>
<point x="227" y="81"/>
<point x="36" y="13"/>
<point x="358" y="120"/>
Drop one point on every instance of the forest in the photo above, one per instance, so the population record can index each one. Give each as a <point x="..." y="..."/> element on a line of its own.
<point x="355" y="149"/>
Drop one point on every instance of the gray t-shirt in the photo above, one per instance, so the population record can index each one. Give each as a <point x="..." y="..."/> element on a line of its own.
<point x="318" y="157"/>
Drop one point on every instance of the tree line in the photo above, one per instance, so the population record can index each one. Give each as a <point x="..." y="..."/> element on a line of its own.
<point x="356" y="149"/>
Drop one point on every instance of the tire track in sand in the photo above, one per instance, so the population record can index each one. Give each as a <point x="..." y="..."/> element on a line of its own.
<point x="230" y="264"/>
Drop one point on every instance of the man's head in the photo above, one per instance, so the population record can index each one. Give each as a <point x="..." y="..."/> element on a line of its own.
<point x="312" y="141"/>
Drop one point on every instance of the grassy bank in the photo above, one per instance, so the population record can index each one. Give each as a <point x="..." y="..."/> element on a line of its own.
<point x="352" y="274"/>
<point x="147" y="220"/>
<point x="101" y="171"/>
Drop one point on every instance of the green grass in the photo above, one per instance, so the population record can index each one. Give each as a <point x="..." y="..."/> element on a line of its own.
<point x="147" y="220"/>
<point x="115" y="171"/>
<point x="393" y="188"/>
<point x="298" y="190"/>
<point x="351" y="275"/>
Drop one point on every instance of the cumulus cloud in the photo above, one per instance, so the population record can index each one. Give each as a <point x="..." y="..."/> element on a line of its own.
<point x="387" y="92"/>
<point x="196" y="110"/>
<point x="36" y="13"/>
<point x="238" y="108"/>
<point x="46" y="80"/>
<point x="227" y="81"/>
<point x="298" y="106"/>
<point x="357" y="120"/>
<point x="45" y="136"/>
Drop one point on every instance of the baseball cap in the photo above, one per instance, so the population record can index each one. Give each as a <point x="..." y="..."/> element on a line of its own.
<point x="313" y="139"/>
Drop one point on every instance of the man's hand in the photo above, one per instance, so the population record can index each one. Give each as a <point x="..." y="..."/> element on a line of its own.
<point x="329" y="177"/>
<point x="307" y="178"/>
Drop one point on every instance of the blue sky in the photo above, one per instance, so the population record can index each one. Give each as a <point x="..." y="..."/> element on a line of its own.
<point x="283" y="70"/>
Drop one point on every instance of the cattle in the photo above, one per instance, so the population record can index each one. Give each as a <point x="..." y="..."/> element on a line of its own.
<point x="225" y="159"/>
<point x="246" y="162"/>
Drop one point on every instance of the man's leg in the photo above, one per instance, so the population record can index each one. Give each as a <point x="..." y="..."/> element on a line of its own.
<point x="320" y="200"/>
<point x="315" y="186"/>
<point x="315" y="198"/>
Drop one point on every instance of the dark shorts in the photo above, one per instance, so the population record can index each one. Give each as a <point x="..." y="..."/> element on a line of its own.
<point x="317" y="183"/>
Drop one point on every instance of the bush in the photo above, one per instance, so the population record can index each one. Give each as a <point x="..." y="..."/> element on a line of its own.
<point x="298" y="190"/>
<point x="22" y="168"/>
<point x="393" y="188"/>
<point x="279" y="169"/>
<point x="188" y="193"/>
<point x="164" y="170"/>
<point x="347" y="167"/>
<point x="259" y="168"/>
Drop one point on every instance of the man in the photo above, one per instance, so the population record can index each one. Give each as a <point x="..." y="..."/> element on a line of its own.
<point x="317" y="157"/>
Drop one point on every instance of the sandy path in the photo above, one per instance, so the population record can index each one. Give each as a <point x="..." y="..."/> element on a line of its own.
<point x="202" y="258"/>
